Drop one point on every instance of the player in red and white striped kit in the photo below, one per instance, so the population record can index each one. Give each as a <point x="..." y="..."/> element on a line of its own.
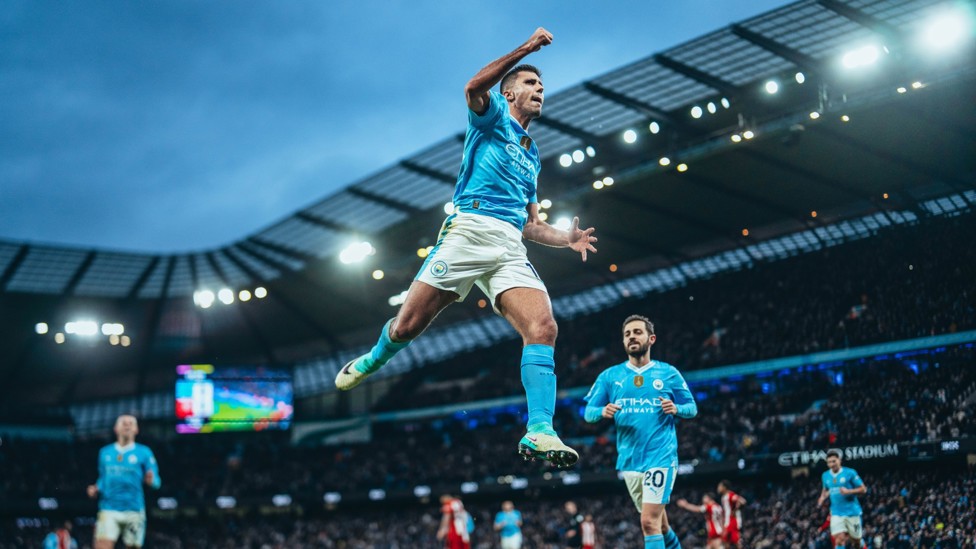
<point x="588" y="531"/>
<point x="454" y="524"/>
<point x="714" y="519"/>
<point x="732" y="504"/>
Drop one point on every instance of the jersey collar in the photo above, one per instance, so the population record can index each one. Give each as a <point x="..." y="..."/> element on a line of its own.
<point x="125" y="448"/>
<point x="642" y="369"/>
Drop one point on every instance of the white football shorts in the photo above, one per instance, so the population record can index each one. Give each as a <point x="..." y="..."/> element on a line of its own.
<point x="512" y="542"/>
<point x="478" y="249"/>
<point x="651" y="486"/>
<point x="131" y="525"/>
<point x="845" y="525"/>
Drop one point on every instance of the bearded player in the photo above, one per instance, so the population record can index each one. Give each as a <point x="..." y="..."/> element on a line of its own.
<point x="842" y="485"/>
<point x="643" y="397"/>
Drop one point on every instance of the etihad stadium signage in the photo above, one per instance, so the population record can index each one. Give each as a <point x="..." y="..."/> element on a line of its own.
<point x="850" y="453"/>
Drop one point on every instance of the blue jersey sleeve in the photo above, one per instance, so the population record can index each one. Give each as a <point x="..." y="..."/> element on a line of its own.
<point x="496" y="105"/>
<point x="151" y="465"/>
<point x="856" y="481"/>
<point x="596" y="399"/>
<point x="100" y="483"/>
<point x="51" y="541"/>
<point x="684" y="401"/>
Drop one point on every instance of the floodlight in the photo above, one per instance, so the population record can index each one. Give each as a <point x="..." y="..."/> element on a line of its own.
<point x="578" y="156"/>
<point x="664" y="161"/>
<point x="945" y="30"/>
<point x="565" y="160"/>
<point x="591" y="152"/>
<point x="800" y="78"/>
<point x="772" y="87"/>
<point x="608" y="181"/>
<point x="861" y="57"/>
<point x="448" y="208"/>
<point x="546" y="203"/>
<point x="356" y="252"/>
<point x="630" y="136"/>
<point x="85" y="328"/>
<point x="226" y="296"/>
<point x="260" y="292"/>
<point x="563" y="223"/>
<point x="244" y="295"/>
<point x="598" y="184"/>
<point x="41" y="328"/>
<point x="654" y="127"/>
<point x="696" y="112"/>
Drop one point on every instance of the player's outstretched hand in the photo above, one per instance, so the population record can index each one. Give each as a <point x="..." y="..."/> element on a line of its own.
<point x="541" y="37"/>
<point x="92" y="491"/>
<point x="668" y="407"/>
<point x="580" y="240"/>
<point x="149" y="478"/>
<point x="609" y="410"/>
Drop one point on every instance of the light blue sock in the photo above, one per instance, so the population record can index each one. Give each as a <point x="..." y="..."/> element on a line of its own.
<point x="671" y="540"/>
<point x="384" y="350"/>
<point x="654" y="542"/>
<point x="539" y="380"/>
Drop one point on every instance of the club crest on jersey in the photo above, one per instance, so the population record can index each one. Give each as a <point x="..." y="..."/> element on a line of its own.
<point x="133" y="459"/>
<point x="638" y="381"/>
<point x="438" y="268"/>
<point x="658" y="384"/>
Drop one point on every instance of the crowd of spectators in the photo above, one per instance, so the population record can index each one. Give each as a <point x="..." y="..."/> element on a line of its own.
<point x="894" y="285"/>
<point x="919" y="398"/>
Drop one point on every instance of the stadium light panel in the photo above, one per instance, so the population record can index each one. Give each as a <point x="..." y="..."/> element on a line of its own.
<point x="861" y="57"/>
<point x="725" y="102"/>
<point x="226" y="296"/>
<point x="204" y="298"/>
<point x="59" y="338"/>
<point x="565" y="160"/>
<point x="260" y="292"/>
<point x="226" y="502"/>
<point x="946" y="30"/>
<point x="814" y="115"/>
<point x="711" y="108"/>
<point x="543" y="216"/>
<point x="590" y="151"/>
<point x="598" y="184"/>
<point x="578" y="156"/>
<point x="244" y="295"/>
<point x="800" y="78"/>
<point x="125" y="341"/>
<point x="281" y="500"/>
<point x="545" y="203"/>
<point x="378" y="274"/>
<point x="608" y="181"/>
<point x="41" y="328"/>
<point x="901" y="89"/>
<point x="47" y="504"/>
<point x="845" y="118"/>
<point x="630" y="136"/>
<point x="110" y="329"/>
<point x="748" y="134"/>
<point x="356" y="252"/>
<point x="771" y="87"/>
<point x="682" y="167"/>
<point x="86" y="328"/>
<point x="736" y="138"/>
<point x="563" y="223"/>
<point x="654" y="127"/>
<point x="332" y="497"/>
<point x="167" y="504"/>
<point x="377" y="494"/>
<point x="448" y="208"/>
<point x="696" y="112"/>
<point x="664" y="161"/>
<point x="114" y="340"/>
<point x="917" y="85"/>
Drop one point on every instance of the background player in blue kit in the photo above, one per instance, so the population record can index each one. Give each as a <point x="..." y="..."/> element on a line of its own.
<point x="842" y="485"/>
<point x="123" y="468"/>
<point x="643" y="397"/>
<point x="495" y="207"/>
<point x="508" y="524"/>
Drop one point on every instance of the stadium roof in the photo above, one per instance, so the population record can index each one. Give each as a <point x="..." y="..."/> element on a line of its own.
<point x="712" y="161"/>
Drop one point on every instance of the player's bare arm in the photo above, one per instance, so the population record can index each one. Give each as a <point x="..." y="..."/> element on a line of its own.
<point x="683" y="503"/>
<point x="576" y="239"/>
<point x="476" y="90"/>
<point x="668" y="407"/>
<point x="824" y="494"/>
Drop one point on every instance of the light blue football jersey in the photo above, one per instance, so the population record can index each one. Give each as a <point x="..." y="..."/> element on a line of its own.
<point x="121" y="473"/>
<point x="499" y="175"/>
<point x="841" y="505"/>
<point x="646" y="437"/>
<point x="509" y="522"/>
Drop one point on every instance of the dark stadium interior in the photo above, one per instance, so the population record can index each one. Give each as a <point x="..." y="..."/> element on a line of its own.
<point x="880" y="210"/>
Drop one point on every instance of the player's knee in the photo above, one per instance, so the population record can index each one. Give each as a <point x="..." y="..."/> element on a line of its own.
<point x="649" y="526"/>
<point x="408" y="326"/>
<point x="543" y="332"/>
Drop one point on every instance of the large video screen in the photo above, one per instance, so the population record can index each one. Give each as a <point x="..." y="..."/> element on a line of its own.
<point x="212" y="398"/>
